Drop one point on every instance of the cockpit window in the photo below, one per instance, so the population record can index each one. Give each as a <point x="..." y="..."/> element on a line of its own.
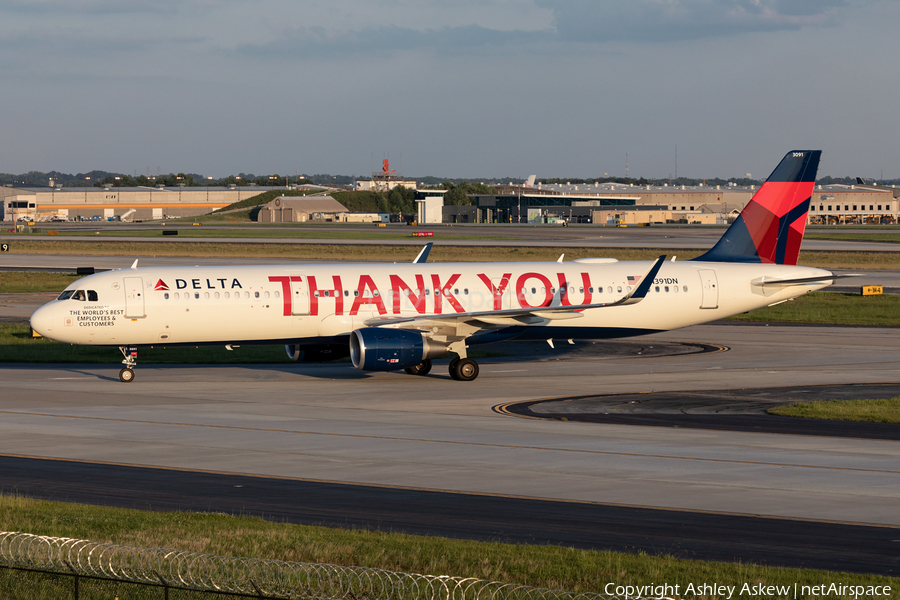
<point x="82" y="295"/>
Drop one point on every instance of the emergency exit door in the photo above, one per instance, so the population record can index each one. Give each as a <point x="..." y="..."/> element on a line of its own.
<point x="710" y="287"/>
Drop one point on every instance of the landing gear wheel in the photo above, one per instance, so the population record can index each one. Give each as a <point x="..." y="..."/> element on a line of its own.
<point x="126" y="375"/>
<point x="423" y="368"/>
<point x="464" y="369"/>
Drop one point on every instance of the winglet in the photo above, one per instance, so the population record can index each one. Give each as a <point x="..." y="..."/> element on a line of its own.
<point x="638" y="293"/>
<point x="423" y="255"/>
<point x="134" y="264"/>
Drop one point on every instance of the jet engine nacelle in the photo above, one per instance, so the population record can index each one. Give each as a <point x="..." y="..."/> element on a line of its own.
<point x="378" y="349"/>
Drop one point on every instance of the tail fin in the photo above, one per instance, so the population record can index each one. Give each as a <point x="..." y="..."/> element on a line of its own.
<point x="530" y="181"/>
<point x="770" y="228"/>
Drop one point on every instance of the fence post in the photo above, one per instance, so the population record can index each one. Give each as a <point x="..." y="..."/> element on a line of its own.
<point x="75" y="575"/>
<point x="165" y="585"/>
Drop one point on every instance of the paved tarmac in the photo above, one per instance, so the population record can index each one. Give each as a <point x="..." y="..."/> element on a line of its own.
<point x="331" y="424"/>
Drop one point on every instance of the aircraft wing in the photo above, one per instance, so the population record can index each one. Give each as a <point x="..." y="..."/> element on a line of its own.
<point x="423" y="255"/>
<point x="517" y="316"/>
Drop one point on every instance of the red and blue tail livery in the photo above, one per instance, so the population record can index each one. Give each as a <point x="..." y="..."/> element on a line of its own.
<point x="770" y="228"/>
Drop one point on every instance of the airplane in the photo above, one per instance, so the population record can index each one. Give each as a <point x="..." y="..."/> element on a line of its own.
<point x="392" y="317"/>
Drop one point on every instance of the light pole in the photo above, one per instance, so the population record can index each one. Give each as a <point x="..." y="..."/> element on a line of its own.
<point x="238" y="180"/>
<point x="208" y="179"/>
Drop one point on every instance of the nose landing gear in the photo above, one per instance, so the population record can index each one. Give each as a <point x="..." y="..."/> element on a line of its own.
<point x="126" y="375"/>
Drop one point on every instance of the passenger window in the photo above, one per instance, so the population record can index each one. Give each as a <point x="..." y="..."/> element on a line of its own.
<point x="196" y="295"/>
<point x="534" y="290"/>
<point x="92" y="296"/>
<point x="619" y="289"/>
<point x="685" y="288"/>
<point x="216" y="295"/>
<point x="675" y="289"/>
<point x="657" y="288"/>
<point x="247" y="295"/>
<point x="278" y="294"/>
<point x="177" y="295"/>
<point x="206" y="295"/>
<point x="256" y="294"/>
<point x="166" y="295"/>
<point x="609" y="289"/>
<point x="667" y="288"/>
<point x="267" y="294"/>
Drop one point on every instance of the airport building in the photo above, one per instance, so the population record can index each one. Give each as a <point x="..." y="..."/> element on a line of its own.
<point x="604" y="204"/>
<point x="114" y="203"/>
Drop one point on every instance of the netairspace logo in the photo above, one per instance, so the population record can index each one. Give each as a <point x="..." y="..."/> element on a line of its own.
<point x="747" y="590"/>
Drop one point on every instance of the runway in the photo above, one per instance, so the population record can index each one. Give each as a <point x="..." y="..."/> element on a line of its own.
<point x="439" y="444"/>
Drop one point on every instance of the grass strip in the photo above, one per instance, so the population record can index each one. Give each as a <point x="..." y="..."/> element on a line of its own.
<point x="884" y="410"/>
<point x="539" y="566"/>
<point x="23" y="282"/>
<point x="830" y="309"/>
<point x="18" y="346"/>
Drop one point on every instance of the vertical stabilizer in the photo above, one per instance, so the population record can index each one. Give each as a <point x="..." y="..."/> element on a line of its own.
<point x="770" y="228"/>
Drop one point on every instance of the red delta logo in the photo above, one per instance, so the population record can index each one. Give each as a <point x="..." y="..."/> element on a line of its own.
<point x="161" y="286"/>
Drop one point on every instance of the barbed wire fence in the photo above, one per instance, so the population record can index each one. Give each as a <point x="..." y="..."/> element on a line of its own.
<point x="251" y="577"/>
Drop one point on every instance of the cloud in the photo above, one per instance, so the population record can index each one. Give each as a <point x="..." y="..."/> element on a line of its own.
<point x="317" y="42"/>
<point x="672" y="20"/>
<point x="89" y="7"/>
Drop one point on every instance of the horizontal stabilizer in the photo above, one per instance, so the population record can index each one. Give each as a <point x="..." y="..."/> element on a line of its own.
<point x="764" y="281"/>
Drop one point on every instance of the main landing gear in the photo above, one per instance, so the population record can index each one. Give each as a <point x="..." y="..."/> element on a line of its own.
<point x="463" y="369"/>
<point x="126" y="375"/>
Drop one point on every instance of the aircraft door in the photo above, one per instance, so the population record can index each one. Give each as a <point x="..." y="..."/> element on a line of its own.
<point x="134" y="298"/>
<point x="710" y="287"/>
<point x="299" y="296"/>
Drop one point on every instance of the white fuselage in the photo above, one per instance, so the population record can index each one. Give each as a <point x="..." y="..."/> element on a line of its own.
<point x="279" y="304"/>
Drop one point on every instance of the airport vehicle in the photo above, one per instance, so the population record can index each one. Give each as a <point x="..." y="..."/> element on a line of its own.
<point x="392" y="317"/>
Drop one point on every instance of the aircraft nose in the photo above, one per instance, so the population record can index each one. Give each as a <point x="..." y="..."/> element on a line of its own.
<point x="42" y="320"/>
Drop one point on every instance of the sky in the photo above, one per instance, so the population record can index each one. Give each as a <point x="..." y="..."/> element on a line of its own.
<point x="462" y="88"/>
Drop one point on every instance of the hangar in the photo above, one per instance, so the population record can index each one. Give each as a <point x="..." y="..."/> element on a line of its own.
<point x="110" y="202"/>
